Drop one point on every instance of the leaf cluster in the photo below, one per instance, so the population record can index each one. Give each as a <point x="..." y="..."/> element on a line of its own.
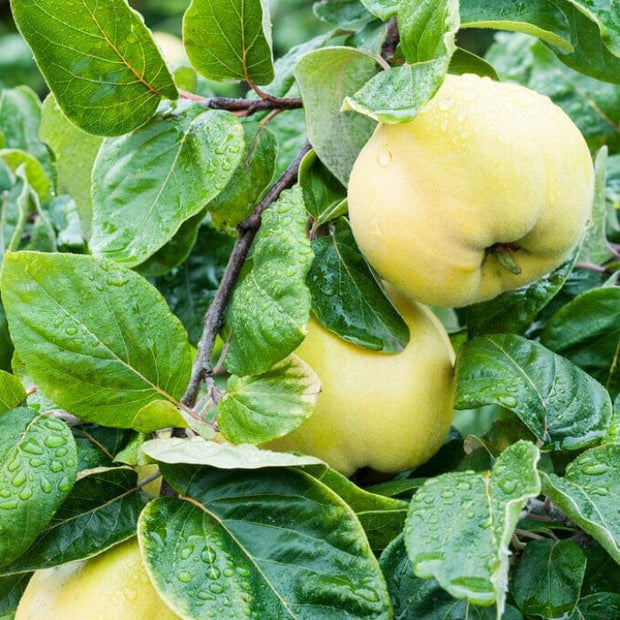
<point x="161" y="250"/>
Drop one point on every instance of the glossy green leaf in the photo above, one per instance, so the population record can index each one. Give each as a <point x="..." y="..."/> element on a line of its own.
<point x="325" y="77"/>
<point x="597" y="606"/>
<point x="11" y="589"/>
<point x="347" y="298"/>
<point x="157" y="414"/>
<point x="269" y="543"/>
<point x="588" y="493"/>
<point x="514" y="311"/>
<point x="592" y="344"/>
<point x="12" y="392"/>
<point x="14" y="210"/>
<point x="250" y="180"/>
<point x="99" y="60"/>
<point x="146" y="184"/>
<point x="576" y="34"/>
<point x="229" y="40"/>
<point x="460" y="524"/>
<point x="413" y="597"/>
<point x="101" y="510"/>
<point x="563" y="406"/>
<point x="381" y="517"/>
<point x="427" y="30"/>
<point x="38" y="467"/>
<point x="547" y="580"/>
<point x="324" y="195"/>
<point x="343" y="14"/>
<point x="97" y="338"/>
<point x="20" y="118"/>
<point x="259" y="408"/>
<point x="75" y="151"/>
<point x="274" y="289"/>
<point x="197" y="451"/>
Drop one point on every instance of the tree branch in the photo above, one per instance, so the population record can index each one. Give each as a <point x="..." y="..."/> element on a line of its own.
<point x="247" y="106"/>
<point x="214" y="318"/>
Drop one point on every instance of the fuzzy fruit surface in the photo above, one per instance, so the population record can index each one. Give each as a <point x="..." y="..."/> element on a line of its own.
<point x="388" y="412"/>
<point x="113" y="585"/>
<point x="483" y="164"/>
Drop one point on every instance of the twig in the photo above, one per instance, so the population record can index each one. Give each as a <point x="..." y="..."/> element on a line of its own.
<point x="391" y="40"/>
<point x="214" y="319"/>
<point x="247" y="106"/>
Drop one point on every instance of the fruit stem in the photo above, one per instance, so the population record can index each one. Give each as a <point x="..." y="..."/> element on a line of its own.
<point x="503" y="253"/>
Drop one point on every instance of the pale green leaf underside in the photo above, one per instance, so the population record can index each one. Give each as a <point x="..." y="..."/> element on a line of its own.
<point x="325" y="78"/>
<point x="197" y="451"/>
<point x="259" y="408"/>
<point x="98" y="339"/>
<point x="459" y="525"/>
<point x="99" y="60"/>
<point x="229" y="39"/>
<point x="146" y="184"/>
<point x="12" y="392"/>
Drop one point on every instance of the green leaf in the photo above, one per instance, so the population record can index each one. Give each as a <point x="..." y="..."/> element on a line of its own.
<point x="588" y="493"/>
<point x="274" y="288"/>
<point x="75" y="151"/>
<point x="383" y="9"/>
<point x="514" y="311"/>
<point x="157" y="414"/>
<point x="325" y="77"/>
<point x="197" y="451"/>
<point x="101" y="510"/>
<point x="38" y="467"/>
<point x="413" y="597"/>
<point x="99" y="60"/>
<point x="592" y="344"/>
<point x="381" y="517"/>
<point x="597" y="606"/>
<point x="189" y="289"/>
<point x="38" y="180"/>
<point x="97" y="338"/>
<point x="459" y="525"/>
<point x="259" y="408"/>
<point x="171" y="167"/>
<point x="563" y="406"/>
<point x="397" y="95"/>
<point x="270" y="543"/>
<point x="250" y="180"/>
<point x="20" y="118"/>
<point x="14" y="211"/>
<point x="575" y="34"/>
<point x="229" y="40"/>
<point x="12" y="392"/>
<point x="427" y="30"/>
<point x="324" y="195"/>
<point x="346" y="297"/>
<point x="11" y="589"/>
<point x="547" y="580"/>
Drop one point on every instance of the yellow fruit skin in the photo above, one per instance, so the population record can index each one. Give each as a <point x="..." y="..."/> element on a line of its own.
<point x="388" y="412"/>
<point x="483" y="163"/>
<point x="111" y="586"/>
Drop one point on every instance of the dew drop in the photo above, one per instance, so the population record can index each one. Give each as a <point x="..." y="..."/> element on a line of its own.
<point x="186" y="552"/>
<point x="130" y="594"/>
<point x="384" y="158"/>
<point x="25" y="494"/>
<point x="71" y="331"/>
<point x="508" y="486"/>
<point x="216" y="588"/>
<point x="596" y="469"/>
<point x="184" y="576"/>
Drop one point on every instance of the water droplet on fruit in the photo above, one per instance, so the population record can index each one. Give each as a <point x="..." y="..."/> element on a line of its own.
<point x="385" y="157"/>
